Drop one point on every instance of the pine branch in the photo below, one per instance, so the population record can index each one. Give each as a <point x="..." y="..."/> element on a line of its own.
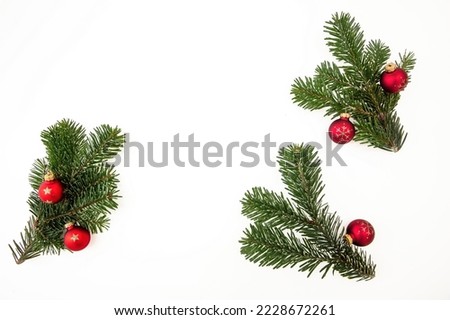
<point x="353" y="87"/>
<point x="40" y="167"/>
<point x="314" y="95"/>
<point x="27" y="248"/>
<point x="270" y="208"/>
<point x="407" y="61"/>
<point x="90" y="186"/>
<point x="299" y="232"/>
<point x="273" y="247"/>
<point x="376" y="54"/>
<point x="103" y="144"/>
<point x="63" y="142"/>
<point x="345" y="40"/>
<point x="300" y="170"/>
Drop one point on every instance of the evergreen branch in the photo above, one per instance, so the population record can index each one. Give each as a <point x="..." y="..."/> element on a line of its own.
<point x="103" y="144"/>
<point x="353" y="87"/>
<point x="99" y="176"/>
<point x="306" y="235"/>
<point x="90" y="187"/>
<point x="385" y="132"/>
<point x="376" y="54"/>
<point x="358" y="265"/>
<point x="99" y="203"/>
<point x="26" y="249"/>
<point x="44" y="235"/>
<point x="313" y="95"/>
<point x="270" y="208"/>
<point x="325" y="230"/>
<point x="39" y="169"/>
<point x="64" y="141"/>
<point x="301" y="173"/>
<point x="345" y="39"/>
<point x="407" y="61"/>
<point x="269" y="246"/>
<point x="331" y="76"/>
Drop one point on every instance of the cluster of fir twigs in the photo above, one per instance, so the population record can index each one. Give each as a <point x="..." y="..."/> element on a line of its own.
<point x="299" y="230"/>
<point x="79" y="161"/>
<point x="353" y="85"/>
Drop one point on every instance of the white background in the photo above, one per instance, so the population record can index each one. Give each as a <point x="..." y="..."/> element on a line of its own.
<point x="221" y="70"/>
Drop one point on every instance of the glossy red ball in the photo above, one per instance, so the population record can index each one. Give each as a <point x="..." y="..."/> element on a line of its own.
<point x="342" y="131"/>
<point x="76" y="238"/>
<point x="393" y="80"/>
<point x="51" y="191"/>
<point x="360" y="232"/>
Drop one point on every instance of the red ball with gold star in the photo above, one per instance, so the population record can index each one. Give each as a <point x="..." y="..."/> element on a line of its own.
<point x="342" y="130"/>
<point x="76" y="238"/>
<point x="51" y="190"/>
<point x="393" y="79"/>
<point x="360" y="233"/>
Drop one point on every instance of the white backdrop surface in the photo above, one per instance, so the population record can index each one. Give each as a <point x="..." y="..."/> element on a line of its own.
<point x="220" y="70"/>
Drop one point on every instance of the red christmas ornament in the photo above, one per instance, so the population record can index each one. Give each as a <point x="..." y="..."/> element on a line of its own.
<point x="76" y="238"/>
<point x="342" y="130"/>
<point x="393" y="79"/>
<point x="360" y="233"/>
<point x="51" y="190"/>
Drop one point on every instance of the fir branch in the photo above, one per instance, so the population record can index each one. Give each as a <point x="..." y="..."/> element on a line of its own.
<point x="353" y="86"/>
<point x="300" y="170"/>
<point x="64" y="141"/>
<point x="90" y="186"/>
<point x="273" y="247"/>
<point x="331" y="76"/>
<point x="384" y="132"/>
<point x="376" y="54"/>
<point x="314" y="95"/>
<point x="103" y="144"/>
<point x="407" y="61"/>
<point x="39" y="169"/>
<point x="270" y="208"/>
<point x="301" y="232"/>
<point x="345" y="40"/>
<point x="27" y="248"/>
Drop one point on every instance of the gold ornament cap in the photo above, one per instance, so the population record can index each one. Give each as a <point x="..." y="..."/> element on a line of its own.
<point x="391" y="66"/>
<point x="348" y="238"/>
<point x="68" y="225"/>
<point x="49" y="176"/>
<point x="345" y="115"/>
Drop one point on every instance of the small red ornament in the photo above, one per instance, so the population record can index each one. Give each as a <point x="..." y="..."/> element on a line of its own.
<point x="342" y="130"/>
<point x="76" y="238"/>
<point x="393" y="79"/>
<point x="51" y="190"/>
<point x="360" y="233"/>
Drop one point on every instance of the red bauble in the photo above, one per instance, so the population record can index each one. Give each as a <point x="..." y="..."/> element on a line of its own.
<point x="76" y="238"/>
<point x="393" y="79"/>
<point x="342" y="130"/>
<point x="51" y="190"/>
<point x="360" y="233"/>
